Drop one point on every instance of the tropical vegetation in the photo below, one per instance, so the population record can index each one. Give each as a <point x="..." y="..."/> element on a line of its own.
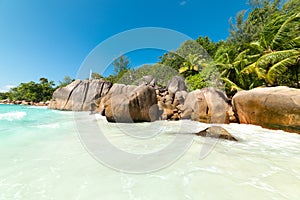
<point x="263" y="49"/>
<point x="31" y="91"/>
<point x="34" y="91"/>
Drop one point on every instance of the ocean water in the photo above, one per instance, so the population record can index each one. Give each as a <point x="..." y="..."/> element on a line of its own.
<point x="43" y="158"/>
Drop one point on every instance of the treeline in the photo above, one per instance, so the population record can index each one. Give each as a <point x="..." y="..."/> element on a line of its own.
<point x="124" y="74"/>
<point x="263" y="49"/>
<point x="34" y="91"/>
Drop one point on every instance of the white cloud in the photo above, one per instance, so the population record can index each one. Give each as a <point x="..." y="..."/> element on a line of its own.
<point x="182" y="3"/>
<point x="6" y="88"/>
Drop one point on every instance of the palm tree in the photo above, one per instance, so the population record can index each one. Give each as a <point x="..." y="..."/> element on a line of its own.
<point x="193" y="64"/>
<point x="231" y="70"/>
<point x="279" y="47"/>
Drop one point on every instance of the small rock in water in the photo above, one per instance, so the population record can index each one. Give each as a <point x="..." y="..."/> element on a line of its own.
<point x="216" y="132"/>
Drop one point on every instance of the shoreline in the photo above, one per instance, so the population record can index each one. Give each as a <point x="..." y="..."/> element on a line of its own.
<point x="97" y="115"/>
<point x="24" y="103"/>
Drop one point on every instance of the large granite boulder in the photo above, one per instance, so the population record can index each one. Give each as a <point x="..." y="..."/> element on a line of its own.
<point x="128" y="104"/>
<point x="273" y="107"/>
<point x="79" y="95"/>
<point x="176" y="84"/>
<point x="62" y="95"/>
<point x="207" y="105"/>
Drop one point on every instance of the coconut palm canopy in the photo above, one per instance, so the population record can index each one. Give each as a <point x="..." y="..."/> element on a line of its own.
<point x="263" y="49"/>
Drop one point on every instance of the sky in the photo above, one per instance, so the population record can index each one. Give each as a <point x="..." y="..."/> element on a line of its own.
<point x="52" y="38"/>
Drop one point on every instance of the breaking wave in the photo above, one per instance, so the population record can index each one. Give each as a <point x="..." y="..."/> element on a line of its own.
<point x="11" y="116"/>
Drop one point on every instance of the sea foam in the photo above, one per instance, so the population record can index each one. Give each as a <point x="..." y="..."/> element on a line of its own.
<point x="11" y="116"/>
<point x="53" y="125"/>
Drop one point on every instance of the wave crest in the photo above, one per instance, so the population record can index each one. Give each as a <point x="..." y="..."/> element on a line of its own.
<point x="11" y="116"/>
<point x="54" y="125"/>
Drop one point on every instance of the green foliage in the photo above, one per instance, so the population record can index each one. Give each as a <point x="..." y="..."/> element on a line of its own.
<point x="32" y="91"/>
<point x="191" y="47"/>
<point x="191" y="65"/>
<point x="161" y="72"/>
<point x="263" y="49"/>
<point x="96" y="76"/>
<point x="248" y="30"/>
<point x="279" y="50"/>
<point x="291" y="7"/>
<point x="126" y="77"/>
<point x="3" y="95"/>
<point x="172" y="59"/>
<point x="121" y="64"/>
<point x="121" y="67"/>
<point x="210" y="47"/>
<point x="66" y="81"/>
<point x="196" y="82"/>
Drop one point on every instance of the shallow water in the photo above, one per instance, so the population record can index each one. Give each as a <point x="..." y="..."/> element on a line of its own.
<point x="42" y="157"/>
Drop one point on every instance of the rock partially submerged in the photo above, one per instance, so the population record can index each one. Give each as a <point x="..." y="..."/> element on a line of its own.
<point x="216" y="132"/>
<point x="273" y="107"/>
<point x="129" y="103"/>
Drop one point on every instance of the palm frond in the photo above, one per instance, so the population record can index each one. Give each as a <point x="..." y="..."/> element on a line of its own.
<point x="291" y="24"/>
<point x="231" y="84"/>
<point x="270" y="30"/>
<point x="261" y="73"/>
<point x="249" y="69"/>
<point x="274" y="57"/>
<point x="293" y="43"/>
<point x="183" y="69"/>
<point x="253" y="68"/>
<point x="257" y="45"/>
<point x="280" y="67"/>
<point x="242" y="55"/>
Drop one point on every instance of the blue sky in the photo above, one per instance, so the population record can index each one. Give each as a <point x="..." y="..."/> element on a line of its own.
<point x="52" y="38"/>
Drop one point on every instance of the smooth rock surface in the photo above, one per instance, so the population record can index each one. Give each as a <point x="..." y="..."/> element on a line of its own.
<point x="79" y="95"/>
<point x="130" y="104"/>
<point x="207" y="105"/>
<point x="176" y="84"/>
<point x="273" y="107"/>
<point x="216" y="132"/>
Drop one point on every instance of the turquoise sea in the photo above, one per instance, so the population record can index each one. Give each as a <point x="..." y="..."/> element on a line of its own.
<point x="42" y="158"/>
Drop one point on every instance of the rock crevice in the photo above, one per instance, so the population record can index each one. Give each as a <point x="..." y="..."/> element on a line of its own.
<point x="79" y="95"/>
<point x="274" y="107"/>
